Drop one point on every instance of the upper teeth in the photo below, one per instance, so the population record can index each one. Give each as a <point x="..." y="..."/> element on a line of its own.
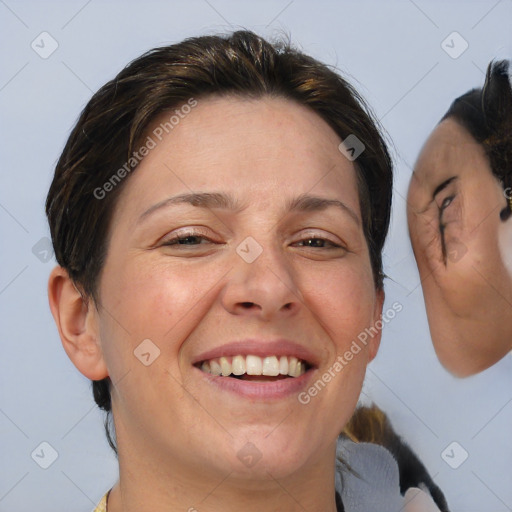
<point x="254" y="365"/>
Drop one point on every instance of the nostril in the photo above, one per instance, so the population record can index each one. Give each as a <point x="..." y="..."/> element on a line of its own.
<point x="247" y="304"/>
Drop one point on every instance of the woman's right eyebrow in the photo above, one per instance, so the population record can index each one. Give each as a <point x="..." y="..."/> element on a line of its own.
<point x="443" y="185"/>
<point x="202" y="200"/>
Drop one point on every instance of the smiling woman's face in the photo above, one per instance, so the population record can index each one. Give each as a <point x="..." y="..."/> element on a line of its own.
<point x="460" y="245"/>
<point x="239" y="234"/>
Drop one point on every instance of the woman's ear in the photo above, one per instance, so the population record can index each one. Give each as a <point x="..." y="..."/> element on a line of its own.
<point x="374" y="343"/>
<point x="77" y="322"/>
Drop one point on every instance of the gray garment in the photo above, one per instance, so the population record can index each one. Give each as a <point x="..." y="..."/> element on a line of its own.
<point x="372" y="484"/>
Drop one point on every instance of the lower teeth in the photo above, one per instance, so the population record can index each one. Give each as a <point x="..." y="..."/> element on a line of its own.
<point x="259" y="377"/>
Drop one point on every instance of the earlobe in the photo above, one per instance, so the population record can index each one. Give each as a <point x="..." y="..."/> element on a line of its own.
<point x="76" y="320"/>
<point x="377" y="323"/>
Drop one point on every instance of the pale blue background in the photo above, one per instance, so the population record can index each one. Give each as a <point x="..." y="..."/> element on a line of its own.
<point x="392" y="51"/>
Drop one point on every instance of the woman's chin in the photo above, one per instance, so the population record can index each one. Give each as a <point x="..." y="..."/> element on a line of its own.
<point x="262" y="460"/>
<point x="269" y="467"/>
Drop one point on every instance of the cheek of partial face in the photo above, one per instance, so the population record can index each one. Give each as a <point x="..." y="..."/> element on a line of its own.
<point x="505" y="245"/>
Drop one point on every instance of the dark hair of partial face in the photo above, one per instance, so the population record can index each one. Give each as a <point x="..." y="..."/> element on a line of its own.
<point x="116" y="118"/>
<point x="486" y="114"/>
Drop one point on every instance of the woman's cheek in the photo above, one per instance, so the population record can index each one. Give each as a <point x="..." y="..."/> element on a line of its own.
<point x="346" y="302"/>
<point x="157" y="292"/>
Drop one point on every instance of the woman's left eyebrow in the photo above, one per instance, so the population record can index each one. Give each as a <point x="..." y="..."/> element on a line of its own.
<point x="309" y="203"/>
<point x="211" y="200"/>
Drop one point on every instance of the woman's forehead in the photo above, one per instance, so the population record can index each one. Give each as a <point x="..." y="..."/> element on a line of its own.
<point x="246" y="145"/>
<point x="248" y="121"/>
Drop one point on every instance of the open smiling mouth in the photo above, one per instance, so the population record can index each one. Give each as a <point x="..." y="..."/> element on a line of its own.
<point x="255" y="368"/>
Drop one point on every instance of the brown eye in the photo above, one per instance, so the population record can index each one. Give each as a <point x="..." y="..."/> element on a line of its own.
<point x="317" y="242"/>
<point x="186" y="240"/>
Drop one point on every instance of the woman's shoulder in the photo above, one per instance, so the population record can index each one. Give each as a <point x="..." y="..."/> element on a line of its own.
<point x="375" y="466"/>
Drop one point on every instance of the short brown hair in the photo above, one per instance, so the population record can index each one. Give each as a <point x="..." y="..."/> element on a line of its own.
<point x="117" y="116"/>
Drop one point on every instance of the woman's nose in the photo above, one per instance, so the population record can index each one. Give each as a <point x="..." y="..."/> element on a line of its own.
<point x="265" y="287"/>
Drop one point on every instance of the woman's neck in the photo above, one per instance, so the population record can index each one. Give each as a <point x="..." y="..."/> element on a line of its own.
<point x="152" y="485"/>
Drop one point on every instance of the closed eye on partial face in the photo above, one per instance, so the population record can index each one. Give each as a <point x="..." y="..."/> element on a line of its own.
<point x="444" y="195"/>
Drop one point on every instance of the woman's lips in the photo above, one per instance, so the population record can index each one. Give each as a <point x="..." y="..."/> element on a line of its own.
<point x="261" y="348"/>
<point x="259" y="386"/>
<point x="256" y="368"/>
